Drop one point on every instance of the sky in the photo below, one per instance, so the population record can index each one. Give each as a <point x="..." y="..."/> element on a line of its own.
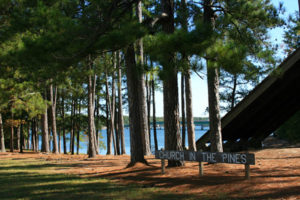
<point x="199" y="86"/>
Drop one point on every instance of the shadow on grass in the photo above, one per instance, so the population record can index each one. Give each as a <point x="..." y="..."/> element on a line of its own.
<point x="243" y="187"/>
<point x="36" y="166"/>
<point x="29" y="184"/>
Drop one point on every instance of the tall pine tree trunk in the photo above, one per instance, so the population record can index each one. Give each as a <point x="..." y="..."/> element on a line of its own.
<point x="33" y="135"/>
<point x="183" y="110"/>
<point x="28" y="136"/>
<point x="108" y="131"/>
<point x="213" y="88"/>
<point x="53" y="96"/>
<point x="94" y="82"/>
<point x="49" y="131"/>
<point x="117" y="129"/>
<point x="59" y="139"/>
<point x="214" y="109"/>
<point x="170" y="88"/>
<point x="120" y="108"/>
<point x="184" y="104"/>
<point x="78" y="127"/>
<point x="141" y="86"/>
<point x="12" y="138"/>
<point x="148" y="98"/>
<point x="2" y="143"/>
<point x="18" y="137"/>
<point x="91" y="126"/>
<point x="22" y="141"/>
<point x="189" y="112"/>
<point x="37" y="139"/>
<point x="97" y="114"/>
<point x="154" y="114"/>
<point x="12" y="133"/>
<point x="72" y="127"/>
<point x="45" y="133"/>
<point x="135" y="110"/>
<point x="111" y="107"/>
<point x="63" y="122"/>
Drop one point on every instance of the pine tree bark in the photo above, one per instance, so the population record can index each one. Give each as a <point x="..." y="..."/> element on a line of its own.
<point x="213" y="88"/>
<point x="189" y="111"/>
<point x="53" y="97"/>
<point x="33" y="135"/>
<point x="97" y="114"/>
<point x="59" y="139"/>
<point x="2" y="135"/>
<point x="170" y="88"/>
<point x="91" y="126"/>
<point x="78" y="127"/>
<point x="72" y="127"/>
<point x="148" y="97"/>
<point x="49" y="131"/>
<point x="113" y="106"/>
<point x="111" y="109"/>
<point x="12" y="139"/>
<point x="117" y="129"/>
<point x="63" y="123"/>
<point x="28" y="136"/>
<point x="141" y="86"/>
<point x="45" y="133"/>
<point x="154" y="115"/>
<point x="135" y="110"/>
<point x="108" y="131"/>
<point x="21" y="138"/>
<point x="37" y="139"/>
<point x="214" y="109"/>
<point x="120" y="108"/>
<point x="94" y="82"/>
<point x="18" y="137"/>
<point x="183" y="132"/>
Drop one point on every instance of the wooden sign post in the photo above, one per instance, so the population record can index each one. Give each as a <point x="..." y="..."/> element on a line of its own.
<point x="201" y="167"/>
<point x="162" y="165"/>
<point x="211" y="157"/>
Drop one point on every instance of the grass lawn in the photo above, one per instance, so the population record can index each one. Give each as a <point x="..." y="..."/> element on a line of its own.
<point x="30" y="178"/>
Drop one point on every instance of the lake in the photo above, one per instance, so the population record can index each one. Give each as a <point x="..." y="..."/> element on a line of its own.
<point x="160" y="140"/>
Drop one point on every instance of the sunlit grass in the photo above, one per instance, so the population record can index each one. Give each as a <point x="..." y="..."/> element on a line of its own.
<point x="28" y="179"/>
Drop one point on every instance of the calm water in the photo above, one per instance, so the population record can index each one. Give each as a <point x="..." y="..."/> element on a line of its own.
<point x="160" y="140"/>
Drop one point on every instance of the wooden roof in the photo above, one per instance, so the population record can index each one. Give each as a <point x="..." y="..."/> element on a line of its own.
<point x="266" y="107"/>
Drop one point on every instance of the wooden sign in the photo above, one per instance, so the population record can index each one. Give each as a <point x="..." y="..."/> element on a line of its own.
<point x="211" y="157"/>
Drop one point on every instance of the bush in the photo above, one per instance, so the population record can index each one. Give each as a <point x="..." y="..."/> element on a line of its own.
<point x="290" y="130"/>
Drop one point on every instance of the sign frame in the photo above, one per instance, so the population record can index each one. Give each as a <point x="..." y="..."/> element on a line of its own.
<point x="211" y="157"/>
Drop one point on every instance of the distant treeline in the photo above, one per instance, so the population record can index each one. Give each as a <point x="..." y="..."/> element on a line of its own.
<point x="161" y="119"/>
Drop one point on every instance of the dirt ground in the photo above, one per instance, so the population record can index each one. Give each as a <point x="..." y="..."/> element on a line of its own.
<point x="276" y="174"/>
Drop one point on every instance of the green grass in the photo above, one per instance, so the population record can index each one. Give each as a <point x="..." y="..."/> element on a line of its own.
<point x="34" y="179"/>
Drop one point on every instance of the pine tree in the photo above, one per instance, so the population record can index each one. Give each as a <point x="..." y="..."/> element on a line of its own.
<point x="170" y="89"/>
<point x="135" y="120"/>
<point x="292" y="33"/>
<point x="120" y="108"/>
<point x="2" y="135"/>
<point x="141" y="85"/>
<point x="53" y="97"/>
